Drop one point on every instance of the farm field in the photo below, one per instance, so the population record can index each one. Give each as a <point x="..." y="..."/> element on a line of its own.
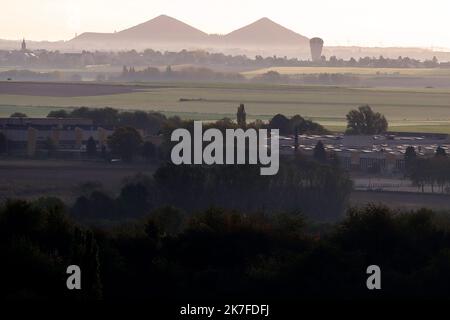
<point x="30" y="178"/>
<point x="351" y="70"/>
<point x="89" y="68"/>
<point x="407" y="109"/>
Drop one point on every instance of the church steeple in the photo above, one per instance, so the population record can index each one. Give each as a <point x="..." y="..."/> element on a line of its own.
<point x="24" y="45"/>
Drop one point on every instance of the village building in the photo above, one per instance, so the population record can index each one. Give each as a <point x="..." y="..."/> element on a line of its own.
<point x="29" y="136"/>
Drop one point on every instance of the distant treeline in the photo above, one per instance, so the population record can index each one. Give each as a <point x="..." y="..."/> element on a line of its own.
<point x="149" y="121"/>
<point x="433" y="172"/>
<point x="203" y="74"/>
<point x="309" y="79"/>
<point x="216" y="254"/>
<point x="185" y="74"/>
<point x="27" y="75"/>
<point x="154" y="122"/>
<point x="56" y="59"/>
<point x="152" y="143"/>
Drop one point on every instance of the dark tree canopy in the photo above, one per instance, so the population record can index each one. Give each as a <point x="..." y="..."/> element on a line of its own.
<point x="178" y="254"/>
<point x="58" y="114"/>
<point x="3" y="143"/>
<point x="134" y="199"/>
<point x="125" y="142"/>
<point x="440" y="152"/>
<point x="410" y="158"/>
<point x="148" y="150"/>
<point x="319" y="152"/>
<point x="241" y="117"/>
<point x="301" y="125"/>
<point x="296" y="124"/>
<point x="280" y="122"/>
<point x="410" y="153"/>
<point x="433" y="172"/>
<point x="91" y="147"/>
<point x="18" y="115"/>
<point x="50" y="145"/>
<point x="151" y="122"/>
<point x="366" y="121"/>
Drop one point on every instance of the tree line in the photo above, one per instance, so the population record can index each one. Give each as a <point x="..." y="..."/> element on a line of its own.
<point x="130" y="128"/>
<point x="314" y="188"/>
<point x="217" y="253"/>
<point x="149" y="57"/>
<point x="149" y="121"/>
<point x="184" y="74"/>
<point x="433" y="172"/>
<point x="128" y="143"/>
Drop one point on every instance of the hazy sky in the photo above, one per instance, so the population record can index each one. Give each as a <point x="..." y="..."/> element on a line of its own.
<point x="346" y="22"/>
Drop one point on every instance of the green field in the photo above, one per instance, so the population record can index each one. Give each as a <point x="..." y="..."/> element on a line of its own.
<point x="423" y="110"/>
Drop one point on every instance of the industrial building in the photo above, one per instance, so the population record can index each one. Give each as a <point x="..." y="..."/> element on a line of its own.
<point x="384" y="153"/>
<point x="316" y="46"/>
<point x="29" y="136"/>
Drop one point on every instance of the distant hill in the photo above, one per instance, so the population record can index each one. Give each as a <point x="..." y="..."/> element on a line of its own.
<point x="266" y="32"/>
<point x="262" y="37"/>
<point x="167" y="30"/>
<point x="93" y="36"/>
<point x="162" y="29"/>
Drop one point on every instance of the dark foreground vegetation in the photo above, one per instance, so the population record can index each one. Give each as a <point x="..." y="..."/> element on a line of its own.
<point x="193" y="233"/>
<point x="219" y="254"/>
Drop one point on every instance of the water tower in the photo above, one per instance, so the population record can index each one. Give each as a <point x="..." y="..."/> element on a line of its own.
<point x="316" y="45"/>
